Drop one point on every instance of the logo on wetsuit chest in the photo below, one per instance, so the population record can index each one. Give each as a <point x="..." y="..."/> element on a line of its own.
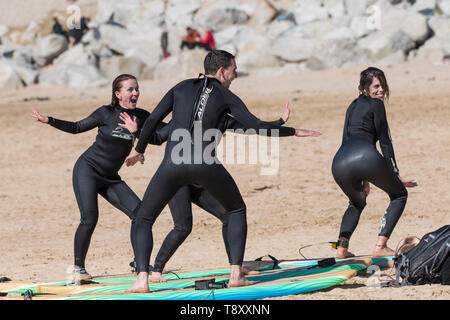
<point x="119" y="132"/>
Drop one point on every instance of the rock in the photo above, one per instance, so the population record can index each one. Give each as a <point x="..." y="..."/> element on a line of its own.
<point x="444" y="7"/>
<point x="117" y="39"/>
<point x="412" y="23"/>
<point x="130" y="11"/>
<point x="254" y="56"/>
<point x="360" y="26"/>
<point x="187" y="64"/>
<point x="335" y="53"/>
<point x="72" y="75"/>
<point x="115" y="66"/>
<point x="29" y="35"/>
<point x="147" y="48"/>
<point x="334" y="8"/>
<point x="292" y="46"/>
<point x="3" y="30"/>
<point x="425" y="7"/>
<point x="27" y="75"/>
<point x="261" y="12"/>
<point x="218" y="15"/>
<point x="439" y="26"/>
<point x="392" y="59"/>
<point x="357" y="7"/>
<point x="380" y="44"/>
<point x="180" y="13"/>
<point x="434" y="49"/>
<point x="77" y="55"/>
<point x="9" y="79"/>
<point x="307" y="11"/>
<point x="51" y="46"/>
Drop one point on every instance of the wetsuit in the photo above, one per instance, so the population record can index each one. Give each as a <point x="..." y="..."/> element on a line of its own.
<point x="197" y="105"/>
<point x="96" y="170"/>
<point x="358" y="159"/>
<point x="181" y="208"/>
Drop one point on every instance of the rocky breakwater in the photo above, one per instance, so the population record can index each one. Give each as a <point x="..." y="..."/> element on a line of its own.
<point x="266" y="36"/>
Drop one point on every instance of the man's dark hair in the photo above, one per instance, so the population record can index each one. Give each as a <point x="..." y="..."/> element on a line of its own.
<point x="216" y="59"/>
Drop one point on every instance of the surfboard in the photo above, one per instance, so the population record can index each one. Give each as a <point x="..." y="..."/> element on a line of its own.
<point x="271" y="283"/>
<point x="269" y="275"/>
<point x="271" y="289"/>
<point x="123" y="280"/>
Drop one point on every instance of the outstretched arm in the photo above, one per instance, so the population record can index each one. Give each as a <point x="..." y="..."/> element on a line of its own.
<point x="67" y="126"/>
<point x="248" y="120"/>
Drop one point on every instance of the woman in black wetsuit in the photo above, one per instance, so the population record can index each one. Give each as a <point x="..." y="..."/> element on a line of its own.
<point x="197" y="105"/>
<point x="96" y="170"/>
<point x="357" y="162"/>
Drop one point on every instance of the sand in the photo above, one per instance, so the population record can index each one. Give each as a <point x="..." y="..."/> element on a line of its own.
<point x="299" y="205"/>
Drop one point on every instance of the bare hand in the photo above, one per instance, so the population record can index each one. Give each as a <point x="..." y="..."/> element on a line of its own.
<point x="366" y="187"/>
<point x="286" y="113"/>
<point x="408" y="183"/>
<point x="129" y="124"/>
<point x="133" y="158"/>
<point x="306" y="133"/>
<point x="38" y="116"/>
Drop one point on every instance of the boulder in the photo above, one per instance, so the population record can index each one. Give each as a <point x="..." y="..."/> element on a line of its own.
<point x="130" y="11"/>
<point x="357" y="7"/>
<point x="26" y="73"/>
<point x="218" y="15"/>
<point x="307" y="11"/>
<point x="380" y="44"/>
<point x="186" y="64"/>
<point x="72" y="75"/>
<point x="425" y="7"/>
<point x="180" y="13"/>
<point x="117" y="65"/>
<point x="3" y="30"/>
<point x="444" y="7"/>
<point x="335" y="53"/>
<point x="412" y="23"/>
<point x="30" y="34"/>
<point x="51" y="46"/>
<point x="9" y="79"/>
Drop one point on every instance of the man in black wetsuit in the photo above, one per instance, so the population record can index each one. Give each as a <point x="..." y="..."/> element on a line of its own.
<point x="197" y="106"/>
<point x="181" y="208"/>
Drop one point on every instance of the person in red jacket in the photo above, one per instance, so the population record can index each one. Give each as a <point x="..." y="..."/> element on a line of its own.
<point x="208" y="41"/>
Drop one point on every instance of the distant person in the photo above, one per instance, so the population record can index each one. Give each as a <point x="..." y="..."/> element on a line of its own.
<point x="208" y="42"/>
<point x="165" y="44"/>
<point x="191" y="39"/>
<point x="358" y="163"/>
<point x="77" y="32"/>
<point x="57" y="28"/>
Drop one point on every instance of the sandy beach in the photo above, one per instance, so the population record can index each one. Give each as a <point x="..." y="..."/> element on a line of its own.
<point x="297" y="206"/>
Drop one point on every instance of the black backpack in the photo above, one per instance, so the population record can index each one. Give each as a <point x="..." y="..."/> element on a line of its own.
<point x="428" y="262"/>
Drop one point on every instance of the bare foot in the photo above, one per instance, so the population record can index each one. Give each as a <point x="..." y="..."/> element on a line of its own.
<point x="249" y="272"/>
<point x="241" y="282"/>
<point x="156" y="277"/>
<point x="382" y="251"/>
<point x="343" y="253"/>
<point x="237" y="278"/>
<point x="141" y="284"/>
